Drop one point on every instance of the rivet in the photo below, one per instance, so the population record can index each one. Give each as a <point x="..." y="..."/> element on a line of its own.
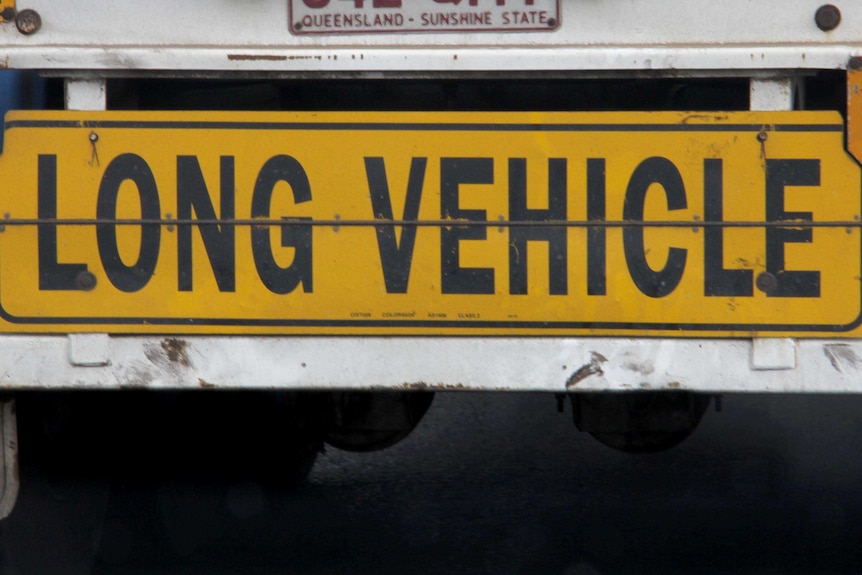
<point x="85" y="281"/>
<point x="827" y="17"/>
<point x="766" y="282"/>
<point x="28" y="22"/>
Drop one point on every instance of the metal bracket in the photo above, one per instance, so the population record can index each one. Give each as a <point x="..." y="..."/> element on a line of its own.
<point x="86" y="94"/>
<point x="8" y="457"/>
<point x="767" y="94"/>
<point x="770" y="354"/>
<point x="89" y="349"/>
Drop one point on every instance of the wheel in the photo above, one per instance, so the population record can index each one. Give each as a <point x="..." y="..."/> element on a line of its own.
<point x="371" y="421"/>
<point x="639" y="422"/>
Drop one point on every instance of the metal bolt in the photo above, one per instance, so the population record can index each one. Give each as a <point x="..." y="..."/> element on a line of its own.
<point x="94" y="137"/>
<point x="8" y="14"/>
<point x="766" y="282"/>
<point x="85" y="281"/>
<point x="827" y="17"/>
<point x="855" y="63"/>
<point x="28" y="21"/>
<point x="762" y="136"/>
<point x="298" y="26"/>
<point x="552" y="22"/>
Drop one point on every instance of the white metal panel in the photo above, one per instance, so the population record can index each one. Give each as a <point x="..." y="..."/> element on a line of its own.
<point x="224" y="35"/>
<point x="493" y="364"/>
<point x="597" y="22"/>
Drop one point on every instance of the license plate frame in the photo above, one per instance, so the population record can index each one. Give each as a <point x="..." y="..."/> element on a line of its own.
<point x="327" y="17"/>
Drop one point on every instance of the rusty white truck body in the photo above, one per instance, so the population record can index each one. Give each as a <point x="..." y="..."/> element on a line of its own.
<point x="785" y="61"/>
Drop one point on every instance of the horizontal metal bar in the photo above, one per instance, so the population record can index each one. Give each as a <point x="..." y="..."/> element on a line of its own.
<point x="476" y="363"/>
<point x="370" y="61"/>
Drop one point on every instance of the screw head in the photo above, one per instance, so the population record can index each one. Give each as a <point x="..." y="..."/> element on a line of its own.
<point x="8" y="14"/>
<point x="827" y="17"/>
<point x="855" y="63"/>
<point x="85" y="281"/>
<point x="28" y="22"/>
<point x="766" y="282"/>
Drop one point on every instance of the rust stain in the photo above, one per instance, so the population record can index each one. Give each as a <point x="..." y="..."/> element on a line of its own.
<point x="205" y="384"/>
<point x="258" y="57"/>
<point x="675" y="385"/>
<point x="691" y="117"/>
<point x="586" y="370"/>
<point x="643" y="368"/>
<point x="841" y="356"/>
<point x="422" y="386"/>
<point x="176" y="349"/>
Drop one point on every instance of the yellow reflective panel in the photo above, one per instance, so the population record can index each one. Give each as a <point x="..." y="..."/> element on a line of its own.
<point x="430" y="223"/>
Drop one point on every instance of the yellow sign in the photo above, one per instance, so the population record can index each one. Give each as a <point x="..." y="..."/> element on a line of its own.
<point x="665" y="224"/>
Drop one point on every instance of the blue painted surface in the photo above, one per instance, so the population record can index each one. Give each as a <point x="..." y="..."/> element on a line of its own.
<point x="20" y="89"/>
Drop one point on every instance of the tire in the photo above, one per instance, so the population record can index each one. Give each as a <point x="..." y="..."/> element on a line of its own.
<point x="639" y="422"/>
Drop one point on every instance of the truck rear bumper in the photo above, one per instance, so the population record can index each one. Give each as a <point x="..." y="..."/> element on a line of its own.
<point x="100" y="361"/>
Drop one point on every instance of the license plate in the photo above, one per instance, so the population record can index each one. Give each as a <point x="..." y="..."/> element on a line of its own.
<point x="430" y="223"/>
<point x="432" y="16"/>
